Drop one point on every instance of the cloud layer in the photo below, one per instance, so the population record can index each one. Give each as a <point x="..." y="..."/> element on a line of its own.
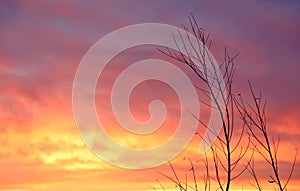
<point x="43" y="42"/>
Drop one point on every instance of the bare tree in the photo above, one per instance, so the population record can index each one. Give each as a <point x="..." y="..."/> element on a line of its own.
<point x="229" y="159"/>
<point x="254" y="117"/>
<point x="227" y="153"/>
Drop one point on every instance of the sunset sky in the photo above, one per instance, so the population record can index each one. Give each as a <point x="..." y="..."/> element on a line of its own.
<point x="43" y="42"/>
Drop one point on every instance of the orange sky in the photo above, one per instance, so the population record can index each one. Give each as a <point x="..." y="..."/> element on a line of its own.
<point x="42" y="44"/>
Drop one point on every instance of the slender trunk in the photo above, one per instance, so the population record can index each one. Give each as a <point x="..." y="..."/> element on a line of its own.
<point x="228" y="163"/>
<point x="274" y="167"/>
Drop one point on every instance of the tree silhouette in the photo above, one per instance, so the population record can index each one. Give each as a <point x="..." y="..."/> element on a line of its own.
<point x="230" y="159"/>
<point x="255" y="119"/>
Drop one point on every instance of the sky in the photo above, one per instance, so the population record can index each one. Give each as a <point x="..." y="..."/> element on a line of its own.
<point x="43" y="42"/>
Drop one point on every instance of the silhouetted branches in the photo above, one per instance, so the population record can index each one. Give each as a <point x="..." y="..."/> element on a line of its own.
<point x="224" y="158"/>
<point x="233" y="143"/>
<point x="254" y="117"/>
